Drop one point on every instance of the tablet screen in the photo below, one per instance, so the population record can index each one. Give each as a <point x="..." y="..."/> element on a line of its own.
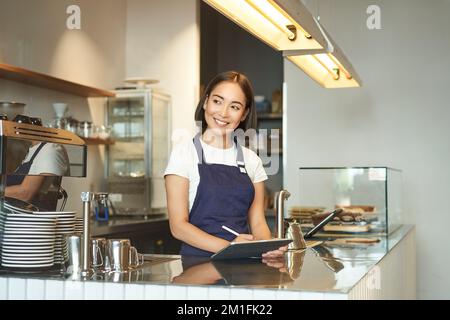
<point x="252" y="249"/>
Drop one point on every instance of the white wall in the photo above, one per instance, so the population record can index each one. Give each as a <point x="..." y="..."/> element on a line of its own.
<point x="163" y="43"/>
<point x="33" y="35"/>
<point x="118" y="39"/>
<point x="399" y="118"/>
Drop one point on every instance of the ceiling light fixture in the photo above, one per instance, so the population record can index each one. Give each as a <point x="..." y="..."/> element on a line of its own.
<point x="282" y="24"/>
<point x="329" y="67"/>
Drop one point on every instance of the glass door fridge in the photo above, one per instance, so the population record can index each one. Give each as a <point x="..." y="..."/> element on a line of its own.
<point x="140" y="120"/>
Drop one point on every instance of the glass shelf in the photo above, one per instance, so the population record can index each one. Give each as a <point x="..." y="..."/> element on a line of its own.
<point x="124" y="117"/>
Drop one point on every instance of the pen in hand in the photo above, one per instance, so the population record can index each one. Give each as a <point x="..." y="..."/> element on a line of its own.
<point x="239" y="237"/>
<point x="231" y="231"/>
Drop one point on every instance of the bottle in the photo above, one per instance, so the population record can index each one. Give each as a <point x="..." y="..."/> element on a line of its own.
<point x="101" y="208"/>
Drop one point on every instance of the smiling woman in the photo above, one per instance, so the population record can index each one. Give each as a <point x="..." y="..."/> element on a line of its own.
<point x="236" y="88"/>
<point x="213" y="181"/>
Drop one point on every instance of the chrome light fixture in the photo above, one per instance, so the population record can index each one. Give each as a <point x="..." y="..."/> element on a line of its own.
<point x="282" y="24"/>
<point x="329" y="67"/>
<point x="288" y="26"/>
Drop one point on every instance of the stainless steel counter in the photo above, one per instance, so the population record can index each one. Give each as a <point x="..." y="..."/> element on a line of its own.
<point x="325" y="268"/>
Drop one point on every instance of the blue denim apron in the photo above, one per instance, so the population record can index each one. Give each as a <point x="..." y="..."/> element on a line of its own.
<point x="224" y="196"/>
<point x="19" y="174"/>
<point x="44" y="201"/>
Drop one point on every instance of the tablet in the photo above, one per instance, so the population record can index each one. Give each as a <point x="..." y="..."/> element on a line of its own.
<point x="252" y="249"/>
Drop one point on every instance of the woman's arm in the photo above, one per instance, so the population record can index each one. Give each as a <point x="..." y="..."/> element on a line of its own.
<point x="26" y="191"/>
<point x="256" y="216"/>
<point x="177" y="190"/>
<point x="204" y="273"/>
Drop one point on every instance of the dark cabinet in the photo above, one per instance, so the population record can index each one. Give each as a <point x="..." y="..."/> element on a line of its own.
<point x="147" y="236"/>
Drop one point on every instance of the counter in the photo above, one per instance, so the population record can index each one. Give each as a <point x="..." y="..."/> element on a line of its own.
<point x="383" y="270"/>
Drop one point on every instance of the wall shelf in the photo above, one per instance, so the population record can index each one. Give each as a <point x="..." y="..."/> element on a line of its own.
<point x="25" y="76"/>
<point x="274" y="116"/>
<point x="98" y="141"/>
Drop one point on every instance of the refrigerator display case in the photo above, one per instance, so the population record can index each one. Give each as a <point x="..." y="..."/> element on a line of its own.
<point x="370" y="196"/>
<point x="140" y="121"/>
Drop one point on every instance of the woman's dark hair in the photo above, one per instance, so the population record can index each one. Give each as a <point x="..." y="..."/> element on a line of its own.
<point x="246" y="87"/>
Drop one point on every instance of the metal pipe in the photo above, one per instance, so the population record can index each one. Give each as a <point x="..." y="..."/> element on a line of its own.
<point x="279" y="211"/>
<point x="86" y="197"/>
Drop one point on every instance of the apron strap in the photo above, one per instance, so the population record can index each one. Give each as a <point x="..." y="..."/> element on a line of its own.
<point x="198" y="147"/>
<point x="240" y="157"/>
<point x="201" y="156"/>
<point x="37" y="151"/>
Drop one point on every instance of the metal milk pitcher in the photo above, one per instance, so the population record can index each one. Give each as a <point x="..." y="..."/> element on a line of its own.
<point x="294" y="232"/>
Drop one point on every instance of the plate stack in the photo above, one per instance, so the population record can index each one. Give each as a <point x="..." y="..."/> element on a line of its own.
<point x="27" y="241"/>
<point x="65" y="224"/>
<point x="78" y="225"/>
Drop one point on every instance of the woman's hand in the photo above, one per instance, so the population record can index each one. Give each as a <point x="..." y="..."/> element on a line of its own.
<point x="275" y="259"/>
<point x="243" y="237"/>
<point x="275" y="253"/>
<point x="277" y="263"/>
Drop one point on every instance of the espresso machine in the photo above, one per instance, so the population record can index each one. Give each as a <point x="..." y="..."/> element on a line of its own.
<point x="17" y="137"/>
<point x="19" y="218"/>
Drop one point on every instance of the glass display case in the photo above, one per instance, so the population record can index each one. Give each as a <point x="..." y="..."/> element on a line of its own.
<point x="140" y="120"/>
<point x="371" y="198"/>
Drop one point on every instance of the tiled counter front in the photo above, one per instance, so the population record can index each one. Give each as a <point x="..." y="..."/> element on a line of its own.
<point x="36" y="289"/>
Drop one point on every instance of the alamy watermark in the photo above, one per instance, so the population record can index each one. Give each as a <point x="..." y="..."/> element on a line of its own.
<point x="374" y="279"/>
<point x="373" y="21"/>
<point x="266" y="142"/>
<point x="73" y="21"/>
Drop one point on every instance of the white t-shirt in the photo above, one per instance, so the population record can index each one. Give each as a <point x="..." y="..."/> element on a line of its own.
<point x="52" y="158"/>
<point x="184" y="162"/>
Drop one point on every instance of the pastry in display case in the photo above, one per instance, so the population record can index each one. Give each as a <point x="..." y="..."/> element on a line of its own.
<point x="371" y="199"/>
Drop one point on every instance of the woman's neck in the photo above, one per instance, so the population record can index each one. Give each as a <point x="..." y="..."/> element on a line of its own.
<point x="217" y="140"/>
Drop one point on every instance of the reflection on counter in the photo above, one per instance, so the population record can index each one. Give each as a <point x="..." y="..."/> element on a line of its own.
<point x="242" y="272"/>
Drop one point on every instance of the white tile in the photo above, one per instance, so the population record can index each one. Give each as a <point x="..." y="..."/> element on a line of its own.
<point x="197" y="293"/>
<point x="114" y="291"/>
<point x="264" y="294"/>
<point x="74" y="290"/>
<point x="3" y="288"/>
<point x="93" y="290"/>
<point x="287" y="295"/>
<point x="304" y="295"/>
<point x="176" y="293"/>
<point x="17" y="289"/>
<point x="134" y="291"/>
<point x="219" y="293"/>
<point x="153" y="292"/>
<point x="241" y="294"/>
<point x="54" y="290"/>
<point x="35" y="289"/>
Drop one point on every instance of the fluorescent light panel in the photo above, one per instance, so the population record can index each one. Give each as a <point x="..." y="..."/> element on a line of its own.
<point x="268" y="20"/>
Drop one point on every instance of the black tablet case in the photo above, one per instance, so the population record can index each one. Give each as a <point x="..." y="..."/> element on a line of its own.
<point x="252" y="249"/>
